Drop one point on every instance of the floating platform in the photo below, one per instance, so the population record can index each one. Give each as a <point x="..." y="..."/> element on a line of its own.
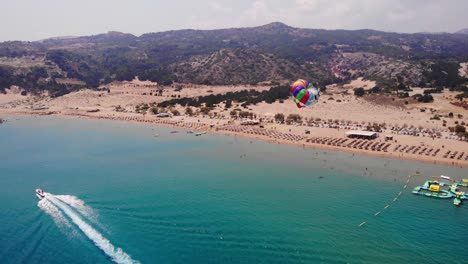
<point x="434" y="189"/>
<point x="421" y="190"/>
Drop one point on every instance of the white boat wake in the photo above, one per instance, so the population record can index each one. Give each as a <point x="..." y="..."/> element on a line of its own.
<point x="61" y="207"/>
<point x="77" y="204"/>
<point x="54" y="212"/>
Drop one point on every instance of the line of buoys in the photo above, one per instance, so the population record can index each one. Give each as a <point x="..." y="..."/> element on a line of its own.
<point x="394" y="199"/>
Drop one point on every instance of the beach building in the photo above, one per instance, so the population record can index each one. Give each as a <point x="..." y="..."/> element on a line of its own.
<point x="362" y="134"/>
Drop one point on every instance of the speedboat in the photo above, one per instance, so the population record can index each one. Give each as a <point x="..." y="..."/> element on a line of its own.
<point x="40" y="194"/>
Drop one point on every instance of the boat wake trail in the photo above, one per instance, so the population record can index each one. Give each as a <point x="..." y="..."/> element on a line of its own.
<point x="54" y="212"/>
<point x="77" y="204"/>
<point x="61" y="210"/>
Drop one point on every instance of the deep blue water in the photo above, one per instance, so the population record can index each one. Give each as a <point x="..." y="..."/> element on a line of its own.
<point x="178" y="198"/>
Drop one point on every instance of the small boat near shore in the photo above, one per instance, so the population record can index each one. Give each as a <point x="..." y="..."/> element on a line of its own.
<point x="40" y="194"/>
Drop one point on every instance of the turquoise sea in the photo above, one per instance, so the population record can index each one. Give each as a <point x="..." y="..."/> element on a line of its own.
<point x="115" y="192"/>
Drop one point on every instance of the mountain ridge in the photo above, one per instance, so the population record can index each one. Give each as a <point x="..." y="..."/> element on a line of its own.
<point x="462" y="31"/>
<point x="274" y="52"/>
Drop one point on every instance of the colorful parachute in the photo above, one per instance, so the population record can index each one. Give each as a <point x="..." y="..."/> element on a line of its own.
<point x="304" y="93"/>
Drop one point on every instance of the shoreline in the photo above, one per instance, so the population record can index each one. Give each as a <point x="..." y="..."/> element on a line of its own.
<point x="216" y="130"/>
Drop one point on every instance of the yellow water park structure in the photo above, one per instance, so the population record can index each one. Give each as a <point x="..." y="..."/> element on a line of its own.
<point x="435" y="189"/>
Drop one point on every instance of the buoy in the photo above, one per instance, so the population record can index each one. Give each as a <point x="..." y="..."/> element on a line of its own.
<point x="394" y="199"/>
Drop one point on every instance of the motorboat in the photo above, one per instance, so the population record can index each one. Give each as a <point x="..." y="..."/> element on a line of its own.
<point x="40" y="194"/>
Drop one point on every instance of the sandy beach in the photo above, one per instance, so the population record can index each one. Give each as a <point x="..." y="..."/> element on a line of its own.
<point x="416" y="135"/>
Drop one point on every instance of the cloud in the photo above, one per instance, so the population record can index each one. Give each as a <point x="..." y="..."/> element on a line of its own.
<point x="218" y="7"/>
<point x="142" y="16"/>
<point x="256" y="14"/>
<point x="307" y="5"/>
<point x="394" y="15"/>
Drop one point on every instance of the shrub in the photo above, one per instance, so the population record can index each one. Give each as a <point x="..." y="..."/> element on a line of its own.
<point x="175" y="112"/>
<point x="293" y="118"/>
<point x="205" y="110"/>
<point x="245" y="114"/>
<point x="427" y="98"/>
<point x="460" y="129"/>
<point x="403" y="95"/>
<point x="375" y="89"/>
<point x="436" y="90"/>
<point x="189" y="111"/>
<point x="279" y="118"/>
<point x="153" y="110"/>
<point x="359" y="92"/>
<point x="228" y="104"/>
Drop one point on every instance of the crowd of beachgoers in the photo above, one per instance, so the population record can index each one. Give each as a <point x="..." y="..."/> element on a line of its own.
<point x="301" y="136"/>
<point x="414" y="134"/>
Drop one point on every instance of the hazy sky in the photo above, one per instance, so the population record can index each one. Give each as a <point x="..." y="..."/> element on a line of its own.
<point x="39" y="19"/>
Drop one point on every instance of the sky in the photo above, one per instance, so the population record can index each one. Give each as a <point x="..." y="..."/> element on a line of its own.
<point x="39" y="19"/>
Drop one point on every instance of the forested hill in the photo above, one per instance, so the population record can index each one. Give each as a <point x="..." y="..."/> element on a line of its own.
<point x="273" y="53"/>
